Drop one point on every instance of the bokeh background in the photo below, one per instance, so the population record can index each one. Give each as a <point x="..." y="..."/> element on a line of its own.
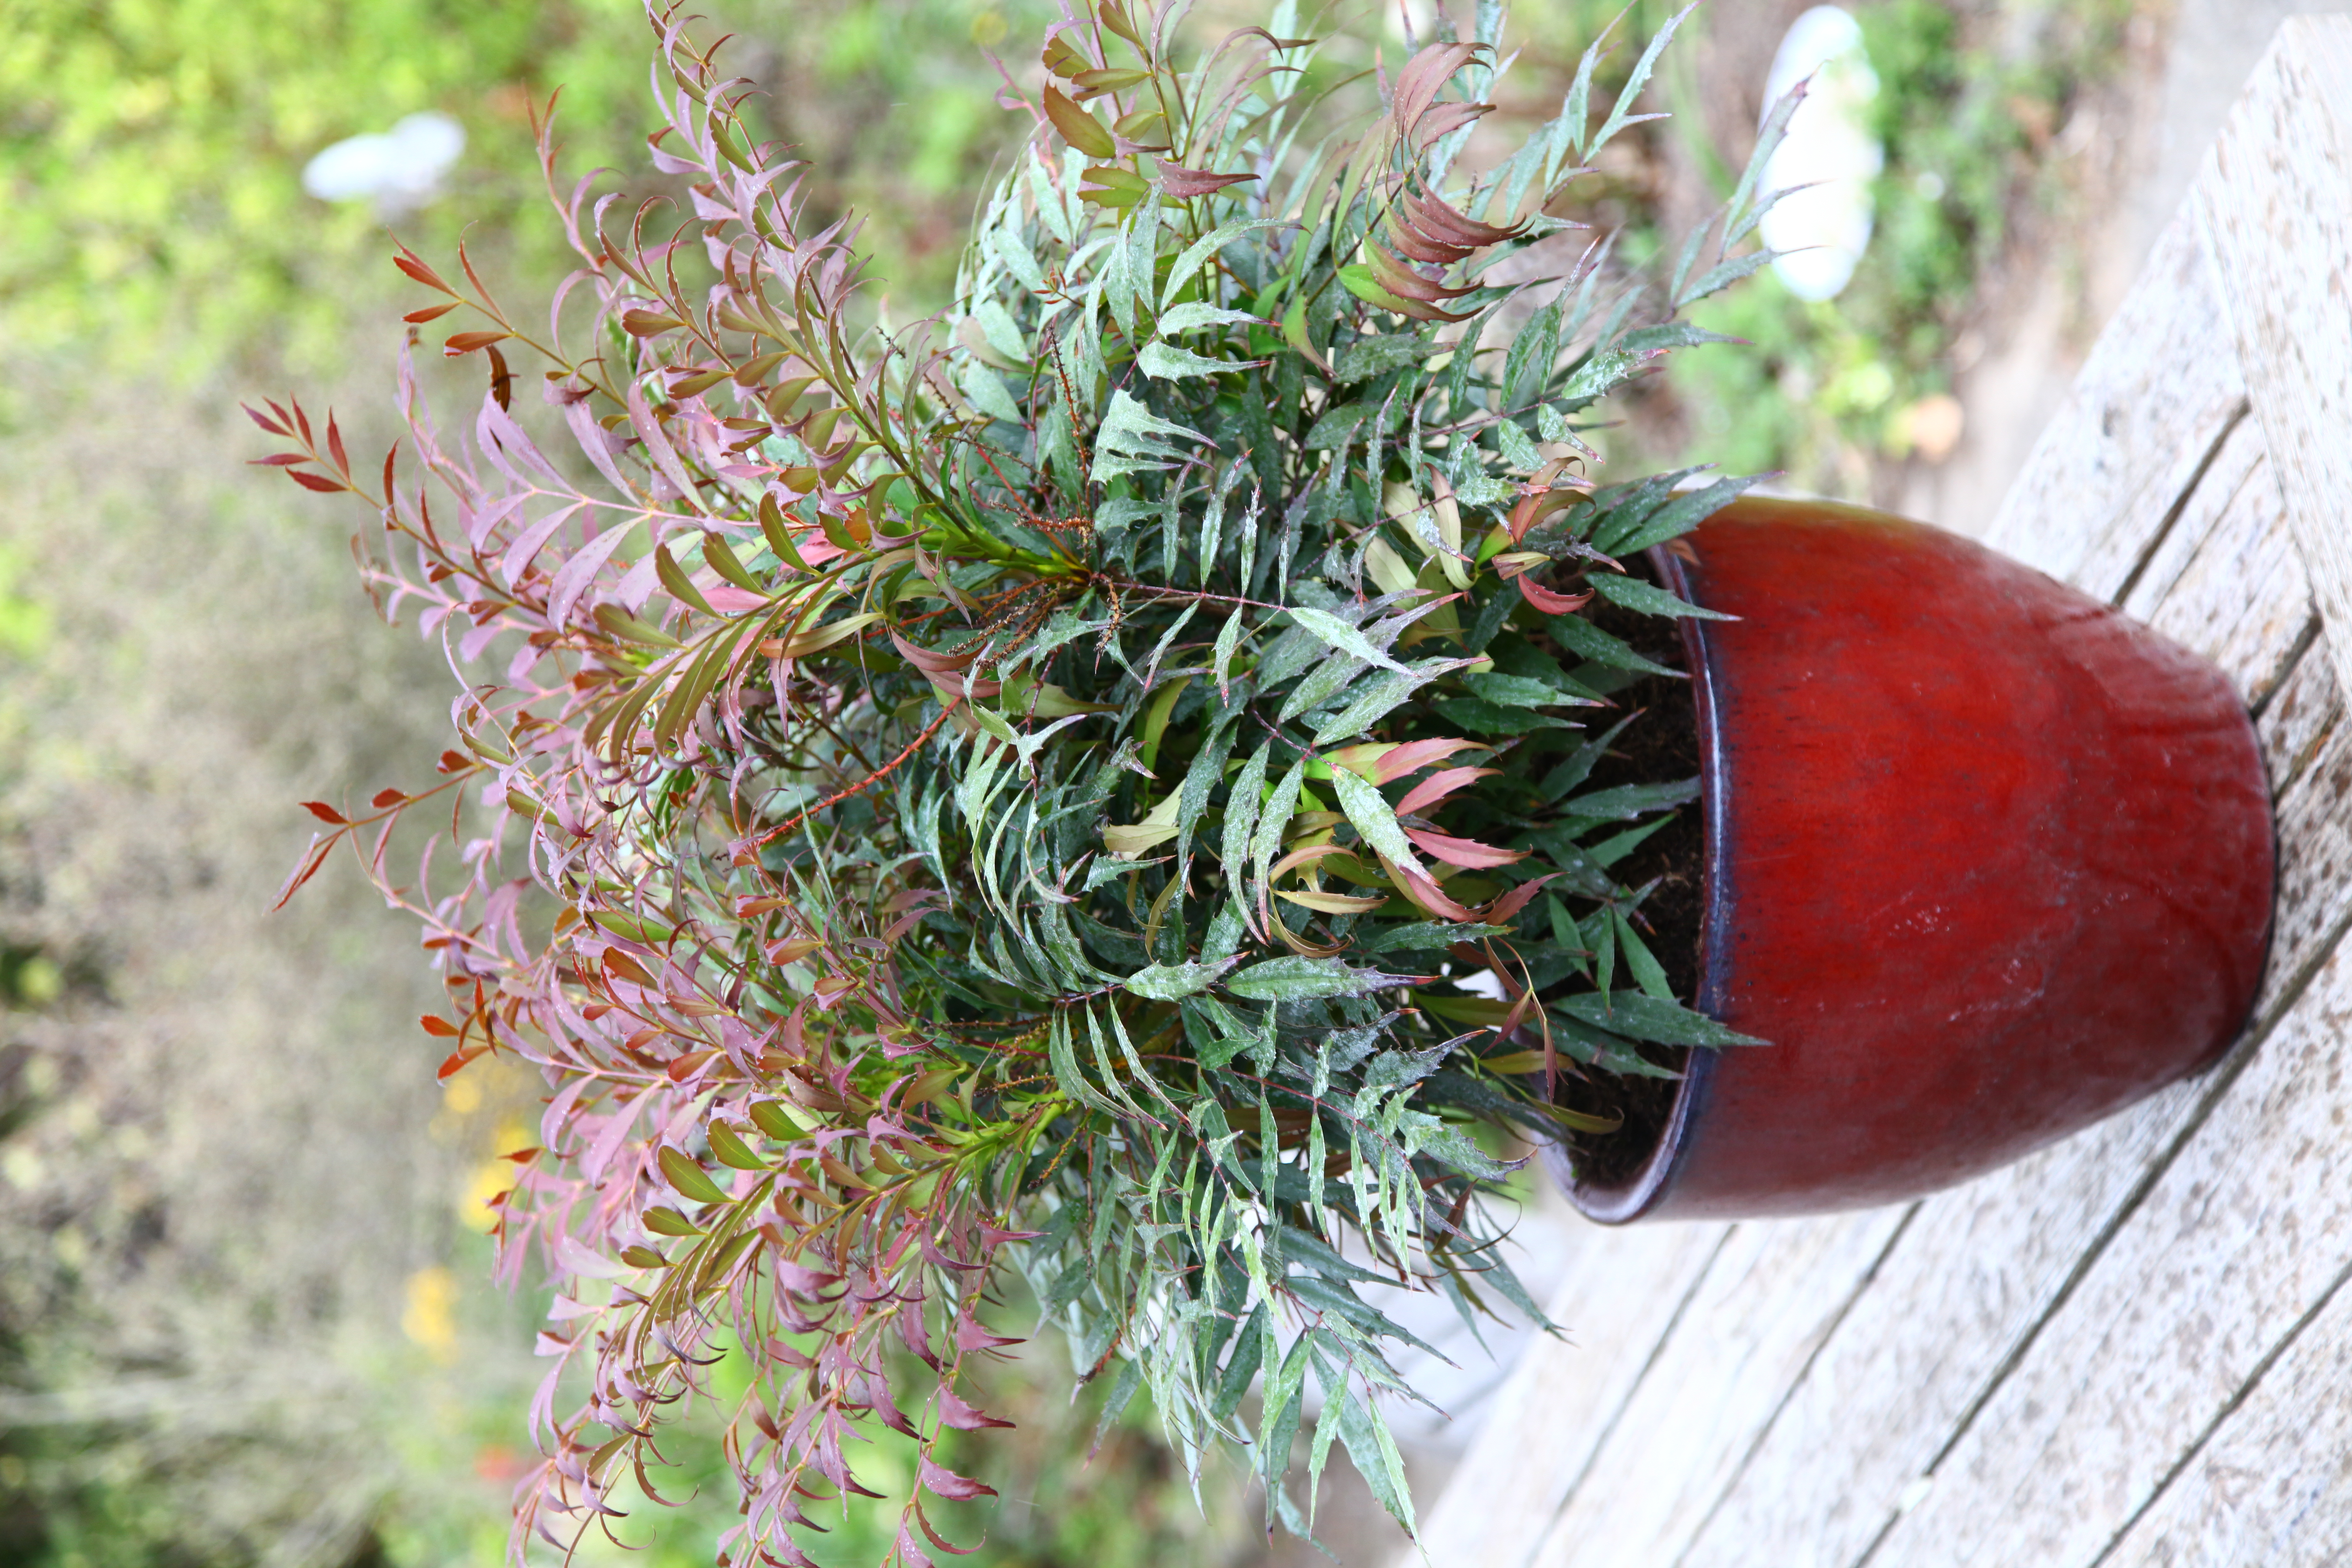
<point x="245" y="1308"/>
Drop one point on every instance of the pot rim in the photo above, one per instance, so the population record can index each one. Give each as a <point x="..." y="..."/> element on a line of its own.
<point x="1630" y="1197"/>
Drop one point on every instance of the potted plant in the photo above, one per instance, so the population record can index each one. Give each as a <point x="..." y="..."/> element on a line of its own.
<point x="1165" y="781"/>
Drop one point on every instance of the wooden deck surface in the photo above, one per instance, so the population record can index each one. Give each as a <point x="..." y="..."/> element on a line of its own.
<point x="2134" y="1348"/>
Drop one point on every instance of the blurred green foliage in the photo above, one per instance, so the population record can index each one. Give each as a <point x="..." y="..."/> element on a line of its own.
<point x="1967" y="129"/>
<point x="151" y="153"/>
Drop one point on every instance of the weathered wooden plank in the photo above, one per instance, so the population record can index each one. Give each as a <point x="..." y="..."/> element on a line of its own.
<point x="2146" y="415"/>
<point x="2240" y="1237"/>
<point x="2238" y="455"/>
<point x="1767" y="1302"/>
<point x="2302" y="711"/>
<point x="2275" y="209"/>
<point x="1981" y="1267"/>
<point x="2272" y="1483"/>
<point x="2241" y="598"/>
<point x="1625" y="1290"/>
<point x="2315" y="838"/>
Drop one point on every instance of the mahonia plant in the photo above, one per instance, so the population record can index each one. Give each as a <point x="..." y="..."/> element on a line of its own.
<point x="939" y="800"/>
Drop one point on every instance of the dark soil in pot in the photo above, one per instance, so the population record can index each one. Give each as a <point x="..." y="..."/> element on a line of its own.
<point x="1661" y="745"/>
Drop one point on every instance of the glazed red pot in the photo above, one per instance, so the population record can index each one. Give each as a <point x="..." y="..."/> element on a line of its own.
<point x="1985" y="861"/>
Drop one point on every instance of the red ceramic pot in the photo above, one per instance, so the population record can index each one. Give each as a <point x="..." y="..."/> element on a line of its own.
<point x="1985" y="862"/>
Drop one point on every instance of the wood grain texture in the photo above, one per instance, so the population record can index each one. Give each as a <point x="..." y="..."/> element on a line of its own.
<point x="1769" y="1300"/>
<point x="2274" y="207"/>
<point x="2272" y="1484"/>
<point x="2153" y="401"/>
<point x="1626" y="1289"/>
<point x="2189" y="536"/>
<point x="2302" y="713"/>
<point x="1978" y="1268"/>
<point x="2241" y="598"/>
<point x="2241" y="1235"/>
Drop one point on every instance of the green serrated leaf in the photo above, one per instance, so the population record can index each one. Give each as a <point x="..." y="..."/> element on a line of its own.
<point x="1333" y="631"/>
<point x="1636" y="595"/>
<point x="1167" y="981"/>
<point x="1628" y="801"/>
<point x="1643" y="1017"/>
<point x="1164" y="363"/>
<point x="1373" y="817"/>
<point x="1307" y="979"/>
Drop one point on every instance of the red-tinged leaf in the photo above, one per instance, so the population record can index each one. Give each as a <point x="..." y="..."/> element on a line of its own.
<point x="941" y="1542"/>
<point x="385" y="798"/>
<point x="1181" y="182"/>
<point x="278" y="460"/>
<point x="265" y="421"/>
<point x="431" y="312"/>
<point x="452" y="762"/>
<point x="910" y="1552"/>
<point x="971" y="1336"/>
<point x="963" y="1417"/>
<point x="502" y="379"/>
<point x="1507" y="908"/>
<point x="1062" y="60"/>
<point x="335" y="444"/>
<point x="1078" y="127"/>
<point x="699" y="382"/>
<point x="467" y="342"/>
<point x="687" y="1066"/>
<point x="407" y="262"/>
<point x="1414" y="246"/>
<point x="1441" y="222"/>
<point x="1530" y="510"/>
<point x="440" y="1028"/>
<point x="457" y="1061"/>
<point x="325" y="813"/>
<point x="648" y="323"/>
<point x="1424" y="892"/>
<point x="317" y="482"/>
<point x="1466" y="853"/>
<point x="941" y="1481"/>
<point x="313" y="857"/>
<point x="1423" y="77"/>
<point x="1359" y="281"/>
<point x="1398" y="761"/>
<point x="1437" y="786"/>
<point x="1550" y="603"/>
<point x="1392" y="273"/>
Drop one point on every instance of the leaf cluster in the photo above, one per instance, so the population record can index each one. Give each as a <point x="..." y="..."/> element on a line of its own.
<point x="1016" y="791"/>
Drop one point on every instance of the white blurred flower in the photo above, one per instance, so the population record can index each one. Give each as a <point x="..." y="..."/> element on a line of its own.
<point x="400" y="170"/>
<point x="1829" y="147"/>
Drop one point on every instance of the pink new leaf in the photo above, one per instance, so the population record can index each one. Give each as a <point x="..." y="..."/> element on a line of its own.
<point x="1437" y="786"/>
